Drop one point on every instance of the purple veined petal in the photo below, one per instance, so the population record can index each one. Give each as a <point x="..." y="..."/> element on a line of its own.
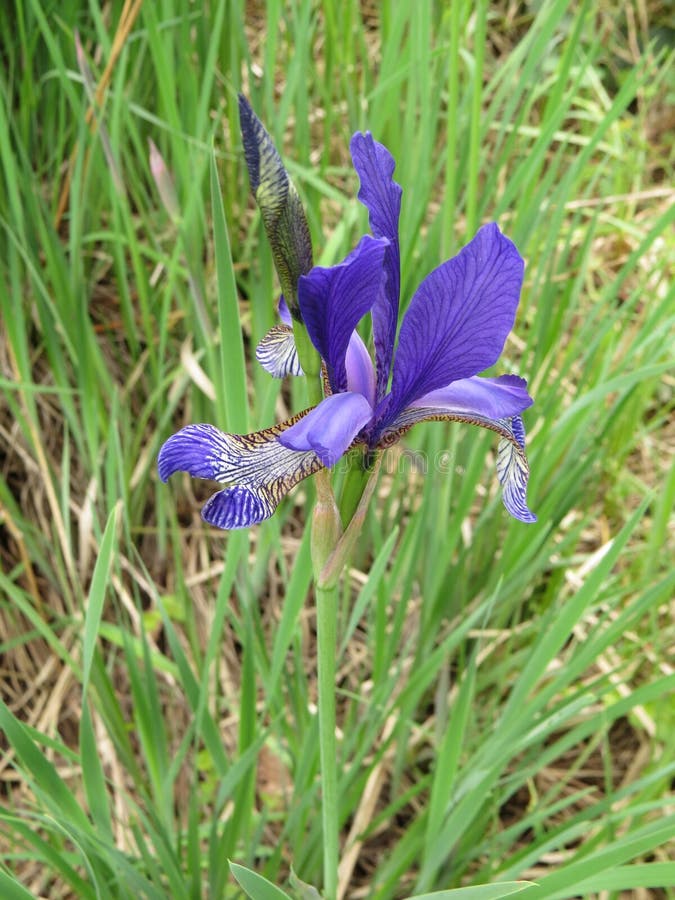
<point x="513" y="472"/>
<point x="494" y="398"/>
<point x="203" y="451"/>
<point x="333" y="300"/>
<point x="238" y="507"/>
<point x="458" y="319"/>
<point x="277" y="353"/>
<point x="381" y="195"/>
<point x="284" y="311"/>
<point x="194" y="449"/>
<point x="360" y="372"/>
<point x="260" y="468"/>
<point x="330" y="428"/>
<point x="512" y="467"/>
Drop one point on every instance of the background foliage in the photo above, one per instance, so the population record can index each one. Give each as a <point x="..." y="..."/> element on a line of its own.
<point x="505" y="692"/>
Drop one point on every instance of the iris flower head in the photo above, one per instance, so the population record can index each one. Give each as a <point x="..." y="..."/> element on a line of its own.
<point x="455" y="327"/>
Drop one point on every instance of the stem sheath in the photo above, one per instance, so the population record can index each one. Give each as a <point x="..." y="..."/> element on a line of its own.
<point x="330" y="553"/>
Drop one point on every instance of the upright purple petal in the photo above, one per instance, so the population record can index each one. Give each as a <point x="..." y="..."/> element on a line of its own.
<point x="330" y="427"/>
<point x="382" y="196"/>
<point x="284" y="312"/>
<point x="458" y="319"/>
<point x="360" y="372"/>
<point x="494" y="398"/>
<point x="333" y="300"/>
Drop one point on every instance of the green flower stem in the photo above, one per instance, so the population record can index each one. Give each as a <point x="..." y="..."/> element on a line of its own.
<point x="326" y="529"/>
<point x="326" y="622"/>
<point x="330" y="553"/>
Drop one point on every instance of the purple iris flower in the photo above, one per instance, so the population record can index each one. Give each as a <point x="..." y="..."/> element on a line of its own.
<point x="455" y="327"/>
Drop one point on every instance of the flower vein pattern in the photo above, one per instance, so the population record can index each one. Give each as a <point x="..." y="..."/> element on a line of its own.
<point x="454" y="328"/>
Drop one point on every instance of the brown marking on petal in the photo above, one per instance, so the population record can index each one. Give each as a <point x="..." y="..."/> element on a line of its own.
<point x="258" y="461"/>
<point x="267" y="434"/>
<point x="327" y="389"/>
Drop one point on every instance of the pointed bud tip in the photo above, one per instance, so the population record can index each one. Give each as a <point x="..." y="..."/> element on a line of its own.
<point x="157" y="164"/>
<point x="162" y="178"/>
<point x="248" y="120"/>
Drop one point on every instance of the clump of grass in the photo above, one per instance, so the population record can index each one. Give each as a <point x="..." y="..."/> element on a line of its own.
<point x="502" y="692"/>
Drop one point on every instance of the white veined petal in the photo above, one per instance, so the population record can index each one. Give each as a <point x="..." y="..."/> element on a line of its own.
<point x="277" y="353"/>
<point x="258" y="470"/>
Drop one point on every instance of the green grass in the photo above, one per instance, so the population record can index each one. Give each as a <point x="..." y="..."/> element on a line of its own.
<point x="504" y="692"/>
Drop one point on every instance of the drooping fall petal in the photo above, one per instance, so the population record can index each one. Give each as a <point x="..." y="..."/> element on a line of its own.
<point x="494" y="398"/>
<point x="260" y="469"/>
<point x="512" y="467"/>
